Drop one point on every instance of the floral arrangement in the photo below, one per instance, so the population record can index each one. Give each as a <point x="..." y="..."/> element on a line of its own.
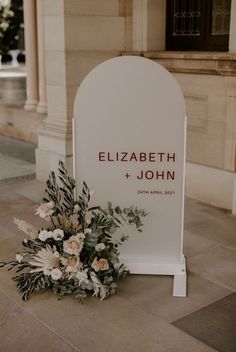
<point x="75" y="253"/>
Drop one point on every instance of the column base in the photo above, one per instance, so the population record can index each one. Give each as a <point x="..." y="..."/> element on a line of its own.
<point x="47" y="161"/>
<point x="211" y="185"/>
<point x="42" y="108"/>
<point x="54" y="144"/>
<point x="31" y="105"/>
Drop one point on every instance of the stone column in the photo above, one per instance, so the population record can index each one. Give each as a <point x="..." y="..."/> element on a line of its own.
<point x="232" y="33"/>
<point x="149" y="25"/>
<point x="42" y="105"/>
<point x="230" y="137"/>
<point x="140" y="18"/>
<point x="78" y="36"/>
<point x="31" y="55"/>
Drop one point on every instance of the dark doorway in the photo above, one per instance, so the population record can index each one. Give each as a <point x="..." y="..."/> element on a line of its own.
<point x="198" y="24"/>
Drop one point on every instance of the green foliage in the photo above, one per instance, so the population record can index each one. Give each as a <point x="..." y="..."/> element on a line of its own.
<point x="68" y="189"/>
<point x="30" y="283"/>
<point x="54" y="194"/>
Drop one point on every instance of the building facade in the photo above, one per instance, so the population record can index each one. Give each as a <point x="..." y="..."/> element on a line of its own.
<point x="65" y="39"/>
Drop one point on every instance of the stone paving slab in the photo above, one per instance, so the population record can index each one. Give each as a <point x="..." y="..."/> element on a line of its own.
<point x="20" y="331"/>
<point x="220" y="230"/>
<point x="194" y="244"/>
<point x="217" y="264"/>
<point x="214" y="324"/>
<point x="154" y="295"/>
<point x="13" y="169"/>
<point x="17" y="149"/>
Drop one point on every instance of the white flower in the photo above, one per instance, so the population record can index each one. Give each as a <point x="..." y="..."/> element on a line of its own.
<point x="81" y="235"/>
<point x="25" y="240"/>
<point x="82" y="276"/>
<point x="19" y="258"/>
<point x="43" y="235"/>
<point x="46" y="270"/>
<point x="88" y="231"/>
<point x="56" y="274"/>
<point x="116" y="266"/>
<point x="98" y="288"/>
<point x="56" y="254"/>
<point x="99" y="247"/>
<point x="45" y="210"/>
<point x="73" y="245"/>
<point x="50" y="234"/>
<point x="58" y="234"/>
<point x="76" y="207"/>
<point x="44" y="261"/>
<point x="100" y="265"/>
<point x="27" y="228"/>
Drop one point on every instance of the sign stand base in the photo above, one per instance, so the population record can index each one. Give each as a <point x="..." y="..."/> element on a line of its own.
<point x="180" y="283"/>
<point x="177" y="270"/>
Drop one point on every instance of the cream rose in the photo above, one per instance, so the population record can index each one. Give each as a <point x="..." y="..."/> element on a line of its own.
<point x="73" y="245"/>
<point x="45" y="210"/>
<point x="73" y="264"/>
<point x="56" y="274"/>
<point x="100" y="265"/>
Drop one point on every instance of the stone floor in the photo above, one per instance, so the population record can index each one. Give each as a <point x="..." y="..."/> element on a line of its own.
<point x="17" y="160"/>
<point x="139" y="318"/>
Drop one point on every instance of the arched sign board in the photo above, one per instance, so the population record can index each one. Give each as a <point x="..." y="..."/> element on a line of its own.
<point x="129" y="146"/>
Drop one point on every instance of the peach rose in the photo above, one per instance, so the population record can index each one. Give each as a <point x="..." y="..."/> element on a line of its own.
<point x="45" y="210"/>
<point x="73" y="264"/>
<point x="100" y="265"/>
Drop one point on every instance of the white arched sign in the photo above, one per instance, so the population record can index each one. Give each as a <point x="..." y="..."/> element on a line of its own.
<point x="129" y="146"/>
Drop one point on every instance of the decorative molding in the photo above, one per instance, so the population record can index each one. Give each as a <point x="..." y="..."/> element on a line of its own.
<point x="215" y="63"/>
<point x="56" y="129"/>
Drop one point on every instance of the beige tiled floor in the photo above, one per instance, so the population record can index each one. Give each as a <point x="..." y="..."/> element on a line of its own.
<point x="13" y="168"/>
<point x="139" y="317"/>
